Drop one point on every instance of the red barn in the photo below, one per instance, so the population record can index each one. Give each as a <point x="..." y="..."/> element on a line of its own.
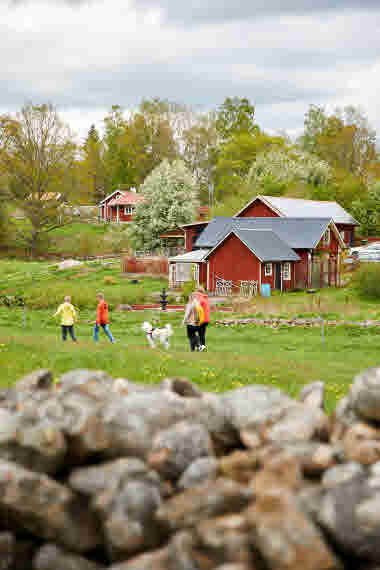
<point x="236" y="254"/>
<point x="119" y="206"/>
<point x="276" y="206"/>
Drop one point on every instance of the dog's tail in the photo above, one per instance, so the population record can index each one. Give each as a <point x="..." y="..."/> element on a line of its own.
<point x="169" y="329"/>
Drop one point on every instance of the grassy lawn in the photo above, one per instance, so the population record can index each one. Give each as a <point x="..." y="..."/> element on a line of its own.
<point x="43" y="286"/>
<point x="286" y="358"/>
<point x="87" y="239"/>
<point x="79" y="238"/>
<point x="332" y="303"/>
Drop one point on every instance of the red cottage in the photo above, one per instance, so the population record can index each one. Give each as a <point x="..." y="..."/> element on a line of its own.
<point x="240" y="254"/>
<point x="275" y="206"/>
<point x="119" y="206"/>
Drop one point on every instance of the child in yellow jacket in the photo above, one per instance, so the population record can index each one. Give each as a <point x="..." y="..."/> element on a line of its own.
<point x="68" y="316"/>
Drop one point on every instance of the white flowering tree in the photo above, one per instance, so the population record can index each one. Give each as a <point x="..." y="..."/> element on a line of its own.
<point x="170" y="199"/>
<point x="281" y="167"/>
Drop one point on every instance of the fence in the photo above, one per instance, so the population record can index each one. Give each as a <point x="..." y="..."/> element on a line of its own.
<point x="225" y="287"/>
<point x="153" y="265"/>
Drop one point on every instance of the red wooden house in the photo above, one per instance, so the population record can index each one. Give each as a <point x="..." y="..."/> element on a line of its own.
<point x="119" y="206"/>
<point x="285" y="242"/>
<point x="233" y="254"/>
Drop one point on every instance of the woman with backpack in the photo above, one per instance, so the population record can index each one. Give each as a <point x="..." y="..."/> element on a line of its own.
<point x="194" y="317"/>
<point x="203" y="299"/>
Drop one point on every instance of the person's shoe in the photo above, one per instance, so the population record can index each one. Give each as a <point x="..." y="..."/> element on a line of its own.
<point x="202" y="348"/>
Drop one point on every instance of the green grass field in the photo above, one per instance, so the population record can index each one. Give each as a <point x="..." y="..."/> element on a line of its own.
<point x="286" y="358"/>
<point x="43" y="286"/>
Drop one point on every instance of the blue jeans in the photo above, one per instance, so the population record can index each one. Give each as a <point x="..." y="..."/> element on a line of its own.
<point x="106" y="330"/>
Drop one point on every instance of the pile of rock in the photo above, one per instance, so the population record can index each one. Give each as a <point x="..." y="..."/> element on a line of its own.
<point x="104" y="473"/>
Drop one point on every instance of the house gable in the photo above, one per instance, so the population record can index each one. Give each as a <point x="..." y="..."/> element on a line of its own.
<point x="259" y="207"/>
<point x="232" y="260"/>
<point x="114" y="194"/>
<point x="264" y="244"/>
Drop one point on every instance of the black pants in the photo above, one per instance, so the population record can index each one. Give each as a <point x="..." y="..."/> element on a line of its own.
<point x="69" y="328"/>
<point x="202" y="333"/>
<point x="193" y="334"/>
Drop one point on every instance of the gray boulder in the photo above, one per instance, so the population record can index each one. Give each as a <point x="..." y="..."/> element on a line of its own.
<point x="45" y="508"/>
<point x="270" y="415"/>
<point x="313" y="395"/>
<point x="339" y="474"/>
<point x="365" y="394"/>
<point x="125" y="494"/>
<point x="350" y="513"/>
<point x="198" y="472"/>
<point x="38" y="380"/>
<point x="175" y="448"/>
<point x="211" y="499"/>
<point x="50" y="557"/>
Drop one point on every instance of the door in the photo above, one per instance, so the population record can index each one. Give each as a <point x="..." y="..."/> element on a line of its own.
<point x="277" y="276"/>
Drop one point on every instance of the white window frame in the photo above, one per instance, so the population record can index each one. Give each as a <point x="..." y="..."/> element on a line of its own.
<point x="128" y="210"/>
<point x="268" y="269"/>
<point x="195" y="272"/>
<point x="326" y="237"/>
<point x="286" y="271"/>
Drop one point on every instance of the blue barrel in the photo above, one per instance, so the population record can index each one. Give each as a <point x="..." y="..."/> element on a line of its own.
<point x="265" y="289"/>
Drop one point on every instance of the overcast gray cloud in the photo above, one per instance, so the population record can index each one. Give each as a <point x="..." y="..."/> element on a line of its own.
<point x="221" y="10"/>
<point x="85" y="56"/>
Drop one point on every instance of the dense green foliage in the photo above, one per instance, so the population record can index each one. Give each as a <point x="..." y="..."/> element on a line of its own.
<point x="367" y="280"/>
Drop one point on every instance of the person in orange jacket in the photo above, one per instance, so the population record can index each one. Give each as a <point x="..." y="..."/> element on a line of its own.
<point x="102" y="318"/>
<point x="203" y="299"/>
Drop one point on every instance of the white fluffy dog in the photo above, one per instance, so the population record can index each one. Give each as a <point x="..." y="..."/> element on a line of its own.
<point x="154" y="334"/>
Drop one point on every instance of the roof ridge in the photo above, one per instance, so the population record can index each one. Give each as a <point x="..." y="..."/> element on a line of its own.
<point x="302" y="199"/>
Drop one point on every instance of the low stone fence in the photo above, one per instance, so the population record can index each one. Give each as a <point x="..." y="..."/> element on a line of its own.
<point x="314" y="322"/>
<point x="98" y="473"/>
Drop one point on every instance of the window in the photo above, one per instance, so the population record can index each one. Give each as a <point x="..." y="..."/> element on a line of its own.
<point x="128" y="210"/>
<point x="342" y="235"/>
<point x="195" y="272"/>
<point x="267" y="269"/>
<point x="286" y="271"/>
<point x="326" y="237"/>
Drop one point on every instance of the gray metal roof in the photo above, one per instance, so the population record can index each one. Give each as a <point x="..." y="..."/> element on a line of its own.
<point x="266" y="245"/>
<point x="298" y="208"/>
<point x="301" y="233"/>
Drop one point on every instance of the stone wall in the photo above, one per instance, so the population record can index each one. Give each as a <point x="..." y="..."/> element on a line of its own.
<point x="102" y="473"/>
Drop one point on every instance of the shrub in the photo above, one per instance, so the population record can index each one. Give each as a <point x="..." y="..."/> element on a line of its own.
<point x="367" y="280"/>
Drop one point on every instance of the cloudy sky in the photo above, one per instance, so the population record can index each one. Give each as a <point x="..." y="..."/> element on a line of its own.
<point x="85" y="56"/>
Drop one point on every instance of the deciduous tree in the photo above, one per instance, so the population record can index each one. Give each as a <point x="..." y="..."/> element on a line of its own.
<point x="235" y="116"/>
<point x="37" y="155"/>
<point x="170" y="199"/>
<point x="367" y="211"/>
